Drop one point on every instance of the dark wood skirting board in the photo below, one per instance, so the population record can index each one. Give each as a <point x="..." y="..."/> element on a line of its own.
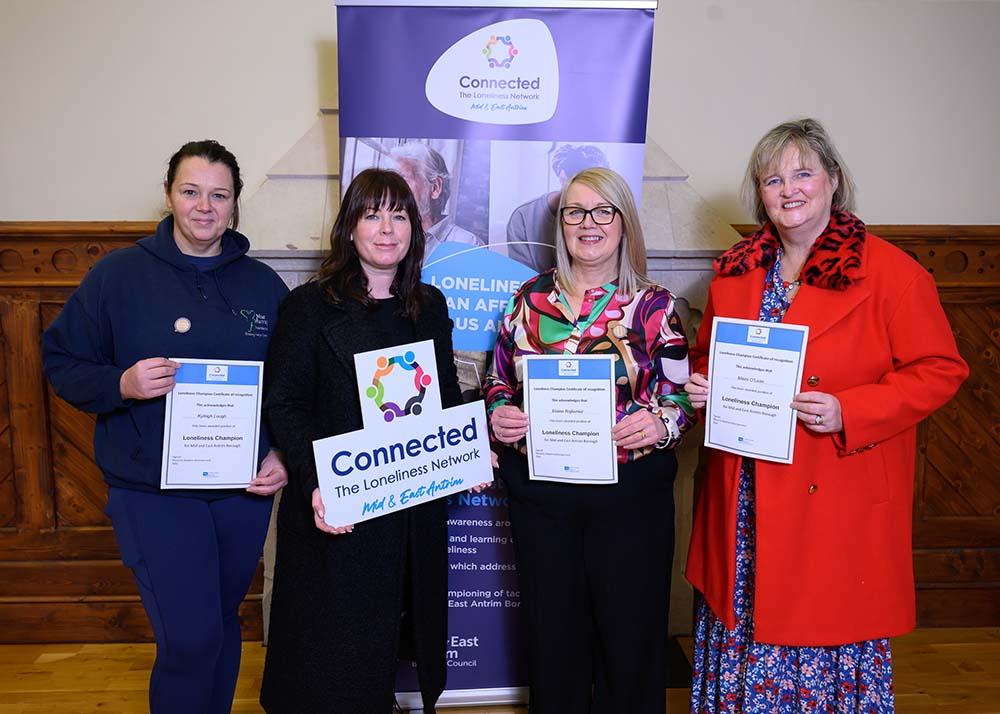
<point x="60" y="576"/>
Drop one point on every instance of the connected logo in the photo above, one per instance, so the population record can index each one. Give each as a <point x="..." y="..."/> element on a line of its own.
<point x="492" y="47"/>
<point x="385" y="367"/>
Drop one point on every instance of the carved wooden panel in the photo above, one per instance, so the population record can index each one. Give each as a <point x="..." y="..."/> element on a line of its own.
<point x="962" y="447"/>
<point x="8" y="500"/>
<point x="956" y="512"/>
<point x="80" y="492"/>
<point x="61" y="577"/>
<point x="60" y="254"/>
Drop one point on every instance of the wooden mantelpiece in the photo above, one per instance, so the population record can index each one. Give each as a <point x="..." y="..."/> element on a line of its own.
<point x="60" y="576"/>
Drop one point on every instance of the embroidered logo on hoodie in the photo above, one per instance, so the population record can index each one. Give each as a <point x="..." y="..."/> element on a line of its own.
<point x="256" y="323"/>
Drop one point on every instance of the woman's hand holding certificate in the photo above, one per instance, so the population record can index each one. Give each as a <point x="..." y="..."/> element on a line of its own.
<point x="755" y="369"/>
<point x="571" y="402"/>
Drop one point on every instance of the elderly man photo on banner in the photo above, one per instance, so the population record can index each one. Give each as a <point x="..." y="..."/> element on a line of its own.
<point x="435" y="184"/>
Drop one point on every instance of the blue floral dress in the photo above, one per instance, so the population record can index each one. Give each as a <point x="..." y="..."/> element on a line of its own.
<point x="734" y="673"/>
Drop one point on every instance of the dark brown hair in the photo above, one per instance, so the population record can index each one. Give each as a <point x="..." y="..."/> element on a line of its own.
<point x="341" y="275"/>
<point x="214" y="153"/>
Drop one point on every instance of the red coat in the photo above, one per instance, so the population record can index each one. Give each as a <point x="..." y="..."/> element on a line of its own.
<point x="834" y="561"/>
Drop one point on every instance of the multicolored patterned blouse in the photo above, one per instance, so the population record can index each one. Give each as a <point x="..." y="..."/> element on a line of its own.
<point x="642" y="331"/>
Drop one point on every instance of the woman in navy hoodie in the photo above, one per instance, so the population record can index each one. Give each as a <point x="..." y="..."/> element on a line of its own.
<point x="189" y="291"/>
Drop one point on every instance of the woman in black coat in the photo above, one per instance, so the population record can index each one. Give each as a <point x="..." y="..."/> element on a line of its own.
<point x="349" y="602"/>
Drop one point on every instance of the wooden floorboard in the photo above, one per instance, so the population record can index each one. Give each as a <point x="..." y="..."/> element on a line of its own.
<point x="937" y="671"/>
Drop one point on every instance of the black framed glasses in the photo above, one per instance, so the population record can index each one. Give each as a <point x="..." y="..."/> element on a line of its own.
<point x="601" y="215"/>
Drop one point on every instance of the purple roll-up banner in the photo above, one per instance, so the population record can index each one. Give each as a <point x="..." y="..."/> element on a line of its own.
<point x="487" y="111"/>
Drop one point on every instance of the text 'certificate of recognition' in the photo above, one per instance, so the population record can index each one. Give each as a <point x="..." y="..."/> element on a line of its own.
<point x="570" y="402"/>
<point x="212" y="424"/>
<point x="755" y="369"/>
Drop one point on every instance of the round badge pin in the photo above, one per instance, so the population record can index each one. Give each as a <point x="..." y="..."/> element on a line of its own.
<point x="182" y="325"/>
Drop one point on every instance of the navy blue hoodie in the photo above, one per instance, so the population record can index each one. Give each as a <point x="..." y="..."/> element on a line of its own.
<point x="125" y="310"/>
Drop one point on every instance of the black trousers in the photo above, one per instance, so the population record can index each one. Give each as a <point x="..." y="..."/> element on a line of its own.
<point x="594" y="567"/>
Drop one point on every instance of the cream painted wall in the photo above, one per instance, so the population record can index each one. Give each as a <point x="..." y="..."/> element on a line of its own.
<point x="910" y="91"/>
<point x="96" y="95"/>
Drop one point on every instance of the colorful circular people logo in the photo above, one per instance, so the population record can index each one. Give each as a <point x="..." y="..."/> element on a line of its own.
<point x="496" y="48"/>
<point x="386" y="366"/>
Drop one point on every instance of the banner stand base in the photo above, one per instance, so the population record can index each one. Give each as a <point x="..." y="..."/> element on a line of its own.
<point x="411" y="702"/>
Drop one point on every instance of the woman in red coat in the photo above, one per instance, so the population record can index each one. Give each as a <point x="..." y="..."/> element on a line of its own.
<point x="805" y="568"/>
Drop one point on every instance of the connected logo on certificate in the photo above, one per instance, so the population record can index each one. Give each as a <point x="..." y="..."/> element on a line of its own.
<point x="755" y="368"/>
<point x="411" y="450"/>
<point x="570" y="402"/>
<point x="211" y="428"/>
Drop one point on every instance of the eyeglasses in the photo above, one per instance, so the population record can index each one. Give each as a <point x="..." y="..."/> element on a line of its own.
<point x="601" y="215"/>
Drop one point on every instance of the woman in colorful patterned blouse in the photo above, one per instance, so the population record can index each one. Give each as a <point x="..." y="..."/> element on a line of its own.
<point x="594" y="560"/>
<point x="806" y="568"/>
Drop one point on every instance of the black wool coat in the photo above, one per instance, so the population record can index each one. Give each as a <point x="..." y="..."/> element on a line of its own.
<point x="335" y="629"/>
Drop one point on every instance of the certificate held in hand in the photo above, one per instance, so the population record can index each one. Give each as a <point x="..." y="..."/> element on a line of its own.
<point x="570" y="402"/>
<point x="211" y="427"/>
<point x="755" y="368"/>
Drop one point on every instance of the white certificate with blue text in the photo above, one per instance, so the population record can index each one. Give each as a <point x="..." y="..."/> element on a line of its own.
<point x="211" y="428"/>
<point x="754" y="370"/>
<point x="570" y="402"/>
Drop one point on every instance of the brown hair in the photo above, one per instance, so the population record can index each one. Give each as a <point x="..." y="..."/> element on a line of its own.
<point x="341" y="274"/>
<point x="214" y="153"/>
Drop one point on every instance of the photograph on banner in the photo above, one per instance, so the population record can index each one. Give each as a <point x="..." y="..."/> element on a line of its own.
<point x="449" y="179"/>
<point x="410" y="450"/>
<point x="527" y="177"/>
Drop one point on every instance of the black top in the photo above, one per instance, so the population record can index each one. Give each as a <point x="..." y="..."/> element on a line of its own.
<point x="390" y="328"/>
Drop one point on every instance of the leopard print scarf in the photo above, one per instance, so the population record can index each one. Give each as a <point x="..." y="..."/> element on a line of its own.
<point x="834" y="261"/>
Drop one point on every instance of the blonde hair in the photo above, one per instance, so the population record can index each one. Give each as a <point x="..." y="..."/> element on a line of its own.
<point x="806" y="135"/>
<point x="631" y="252"/>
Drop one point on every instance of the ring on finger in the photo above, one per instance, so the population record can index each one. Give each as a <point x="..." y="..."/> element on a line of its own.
<point x="818" y="420"/>
<point x="642" y="433"/>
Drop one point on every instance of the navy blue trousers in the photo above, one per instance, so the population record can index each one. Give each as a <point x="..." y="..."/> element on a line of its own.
<point x="193" y="561"/>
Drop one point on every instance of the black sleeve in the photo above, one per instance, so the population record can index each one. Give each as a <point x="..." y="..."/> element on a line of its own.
<point x="292" y="375"/>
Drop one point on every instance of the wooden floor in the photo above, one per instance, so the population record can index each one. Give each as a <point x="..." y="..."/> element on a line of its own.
<point x="937" y="671"/>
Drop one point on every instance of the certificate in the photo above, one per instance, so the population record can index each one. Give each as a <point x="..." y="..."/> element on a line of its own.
<point x="211" y="428"/>
<point x="570" y="402"/>
<point x="755" y="368"/>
